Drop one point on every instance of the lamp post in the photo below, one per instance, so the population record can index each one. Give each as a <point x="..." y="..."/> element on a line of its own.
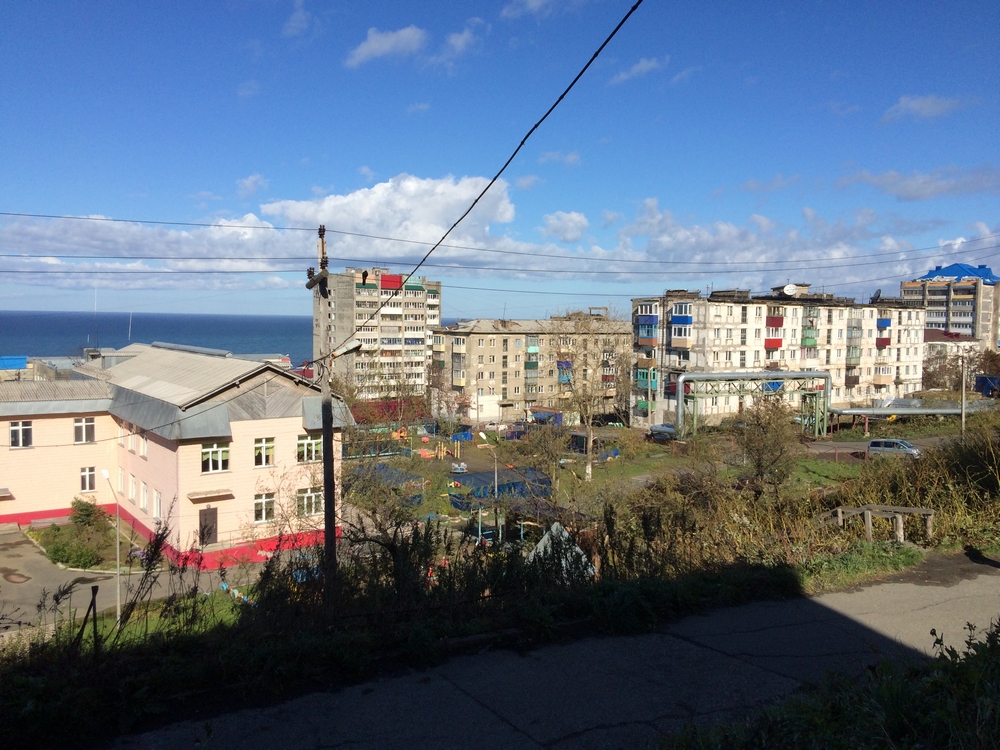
<point x="496" y="489"/>
<point x="118" y="550"/>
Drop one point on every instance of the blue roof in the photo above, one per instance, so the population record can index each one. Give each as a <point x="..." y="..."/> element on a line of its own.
<point x="962" y="271"/>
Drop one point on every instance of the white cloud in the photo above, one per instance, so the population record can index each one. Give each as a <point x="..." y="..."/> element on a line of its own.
<point x="645" y="65"/>
<point x="841" y="109"/>
<point x="519" y="8"/>
<point x="609" y="217"/>
<point x="921" y="107"/>
<point x="684" y="75"/>
<point x="923" y="186"/>
<point x="250" y="185"/>
<point x="417" y="107"/>
<point x="566" y="227"/>
<point x="458" y="44"/>
<point x="527" y="182"/>
<point x="779" y="182"/>
<point x="570" y="159"/>
<point x="399" y="43"/>
<point x="248" y="89"/>
<point x="298" y="22"/>
<point x="367" y="173"/>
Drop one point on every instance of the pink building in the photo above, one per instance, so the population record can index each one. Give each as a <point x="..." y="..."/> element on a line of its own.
<point x="227" y="452"/>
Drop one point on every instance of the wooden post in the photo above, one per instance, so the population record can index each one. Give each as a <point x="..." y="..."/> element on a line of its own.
<point x="929" y="525"/>
<point x="897" y="523"/>
<point x="840" y="516"/>
<point x="868" y="525"/>
<point x="93" y="608"/>
<point x="836" y="455"/>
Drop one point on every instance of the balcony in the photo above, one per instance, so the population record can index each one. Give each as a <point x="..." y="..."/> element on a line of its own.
<point x="810" y="312"/>
<point x="882" y="342"/>
<point x="458" y="382"/>
<point x="884" y="323"/>
<point x="643" y="341"/>
<point x="852" y="380"/>
<point x="531" y="366"/>
<point x="609" y="378"/>
<point x="853" y="358"/>
<point x="532" y="350"/>
<point x="809" y="336"/>
<point x="772" y="343"/>
<point x="458" y="348"/>
<point x="682" y="320"/>
<point x="681" y="342"/>
<point x="882" y="379"/>
<point x="649" y="320"/>
<point x="438" y="347"/>
<point x="775" y="321"/>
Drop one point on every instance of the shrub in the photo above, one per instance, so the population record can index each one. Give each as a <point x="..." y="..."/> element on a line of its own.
<point x="86" y="513"/>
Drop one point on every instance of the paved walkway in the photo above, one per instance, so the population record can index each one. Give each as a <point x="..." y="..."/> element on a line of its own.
<point x="625" y="691"/>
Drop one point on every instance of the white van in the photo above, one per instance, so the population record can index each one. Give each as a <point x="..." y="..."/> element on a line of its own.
<point x="893" y="448"/>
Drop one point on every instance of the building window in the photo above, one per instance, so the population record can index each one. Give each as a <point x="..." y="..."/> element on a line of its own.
<point x="157" y="504"/>
<point x="309" y="501"/>
<point x="263" y="507"/>
<point x="121" y="433"/>
<point x="121" y="480"/>
<point x="309" y="448"/>
<point x="20" y="434"/>
<point x="131" y="488"/>
<point x="88" y="479"/>
<point x="143" y="445"/>
<point x="263" y="452"/>
<point x="144" y="497"/>
<point x="214" y="457"/>
<point x="83" y="430"/>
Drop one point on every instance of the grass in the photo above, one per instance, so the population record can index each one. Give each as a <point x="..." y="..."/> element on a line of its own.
<point x="901" y="429"/>
<point x="952" y="701"/>
<point x="861" y="563"/>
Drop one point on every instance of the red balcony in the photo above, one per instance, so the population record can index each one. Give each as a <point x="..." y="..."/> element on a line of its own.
<point x="775" y="321"/>
<point x="772" y="343"/>
<point x="646" y="342"/>
<point x="882" y="343"/>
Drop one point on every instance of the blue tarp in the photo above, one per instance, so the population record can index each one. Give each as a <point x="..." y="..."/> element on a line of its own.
<point x="525" y="482"/>
<point x="13" y="363"/>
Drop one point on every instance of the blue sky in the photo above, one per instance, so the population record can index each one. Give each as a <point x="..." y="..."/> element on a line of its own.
<point x="719" y="144"/>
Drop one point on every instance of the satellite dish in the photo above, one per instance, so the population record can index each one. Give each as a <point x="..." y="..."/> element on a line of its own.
<point x="877" y="296"/>
<point x="790" y="289"/>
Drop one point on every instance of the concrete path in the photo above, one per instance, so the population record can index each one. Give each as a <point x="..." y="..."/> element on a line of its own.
<point x="621" y="692"/>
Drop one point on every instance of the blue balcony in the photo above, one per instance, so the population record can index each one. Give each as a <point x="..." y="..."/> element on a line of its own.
<point x="566" y="377"/>
<point x="646" y="320"/>
<point x="884" y="323"/>
<point x="682" y="320"/>
<point x="646" y="332"/>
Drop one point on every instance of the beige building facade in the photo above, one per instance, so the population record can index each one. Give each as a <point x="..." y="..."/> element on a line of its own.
<point x="959" y="299"/>
<point x="872" y="351"/>
<point x="226" y="452"/>
<point x="506" y="370"/>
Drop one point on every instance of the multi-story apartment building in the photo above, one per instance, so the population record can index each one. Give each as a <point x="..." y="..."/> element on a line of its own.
<point x="393" y="316"/>
<point x="959" y="299"/>
<point x="871" y="350"/>
<point x="510" y="369"/>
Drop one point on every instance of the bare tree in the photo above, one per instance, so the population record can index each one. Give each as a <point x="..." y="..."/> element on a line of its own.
<point x="769" y="441"/>
<point x="593" y="355"/>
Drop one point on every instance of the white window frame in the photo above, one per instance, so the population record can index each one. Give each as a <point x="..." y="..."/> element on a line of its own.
<point x="23" y="432"/>
<point x="217" y="455"/>
<point x="84" y="430"/>
<point x="263" y="452"/>
<point x="309" y="449"/>
<point x="309" y="501"/>
<point x="263" y="507"/>
<point x="88" y="479"/>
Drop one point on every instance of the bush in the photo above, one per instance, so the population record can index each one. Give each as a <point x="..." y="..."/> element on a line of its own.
<point x="86" y="513"/>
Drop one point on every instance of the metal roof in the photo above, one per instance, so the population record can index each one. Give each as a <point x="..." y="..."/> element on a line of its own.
<point x="180" y="378"/>
<point x="22" y="397"/>
<point x="960" y="272"/>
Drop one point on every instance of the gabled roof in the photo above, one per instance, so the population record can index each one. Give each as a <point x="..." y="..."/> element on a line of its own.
<point x="957" y="271"/>
<point x="181" y="378"/>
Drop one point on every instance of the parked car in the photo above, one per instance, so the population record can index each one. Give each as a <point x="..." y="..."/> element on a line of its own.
<point x="496" y="427"/>
<point x="893" y="448"/>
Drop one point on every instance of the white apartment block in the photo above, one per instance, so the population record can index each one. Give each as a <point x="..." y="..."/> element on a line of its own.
<point x="872" y="351"/>
<point x="960" y="299"/>
<point x="392" y="315"/>
<point x="513" y="369"/>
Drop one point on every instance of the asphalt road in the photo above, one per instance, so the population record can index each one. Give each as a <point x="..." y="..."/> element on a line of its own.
<point x="624" y="691"/>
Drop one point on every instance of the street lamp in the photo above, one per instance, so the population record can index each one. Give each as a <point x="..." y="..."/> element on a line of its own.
<point x="118" y="550"/>
<point x="496" y="489"/>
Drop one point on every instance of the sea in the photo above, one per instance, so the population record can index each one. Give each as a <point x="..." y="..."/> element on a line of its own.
<point x="66" y="334"/>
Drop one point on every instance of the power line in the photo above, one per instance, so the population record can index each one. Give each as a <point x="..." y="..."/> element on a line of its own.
<point x="734" y="266"/>
<point x="386" y="238"/>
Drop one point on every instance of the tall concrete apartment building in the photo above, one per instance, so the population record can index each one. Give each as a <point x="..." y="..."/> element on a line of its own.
<point x="511" y="369"/>
<point x="871" y="350"/>
<point x="960" y="299"/>
<point x="396" y="339"/>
